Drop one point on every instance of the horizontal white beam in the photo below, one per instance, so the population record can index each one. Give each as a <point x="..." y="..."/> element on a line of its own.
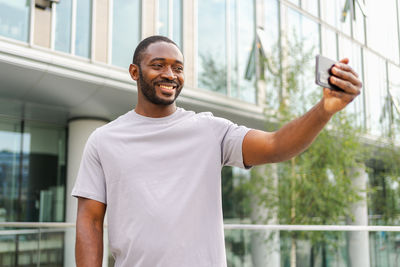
<point x="277" y="227"/>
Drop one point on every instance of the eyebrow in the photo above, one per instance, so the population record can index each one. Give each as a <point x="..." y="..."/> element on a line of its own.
<point x="163" y="59"/>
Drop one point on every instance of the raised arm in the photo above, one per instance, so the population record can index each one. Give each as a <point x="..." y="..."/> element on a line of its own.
<point x="89" y="233"/>
<point x="261" y="147"/>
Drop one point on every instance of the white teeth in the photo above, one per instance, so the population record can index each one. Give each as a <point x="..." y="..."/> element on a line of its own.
<point x="166" y="87"/>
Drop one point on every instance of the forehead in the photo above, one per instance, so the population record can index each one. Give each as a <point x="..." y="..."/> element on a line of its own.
<point x="163" y="50"/>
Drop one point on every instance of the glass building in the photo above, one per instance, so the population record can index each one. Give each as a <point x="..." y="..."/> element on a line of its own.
<point x="64" y="72"/>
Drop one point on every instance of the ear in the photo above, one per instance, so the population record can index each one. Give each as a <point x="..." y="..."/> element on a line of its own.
<point x="134" y="71"/>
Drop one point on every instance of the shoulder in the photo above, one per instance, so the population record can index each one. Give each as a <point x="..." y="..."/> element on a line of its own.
<point x="110" y="126"/>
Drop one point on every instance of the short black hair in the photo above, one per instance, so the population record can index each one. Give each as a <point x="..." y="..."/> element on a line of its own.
<point x="142" y="46"/>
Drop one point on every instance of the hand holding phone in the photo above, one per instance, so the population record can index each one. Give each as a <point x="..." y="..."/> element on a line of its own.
<point x="323" y="68"/>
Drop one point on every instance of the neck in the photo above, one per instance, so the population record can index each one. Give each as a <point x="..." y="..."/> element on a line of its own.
<point x="155" y="111"/>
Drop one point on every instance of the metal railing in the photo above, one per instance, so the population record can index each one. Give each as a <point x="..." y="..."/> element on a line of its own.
<point x="52" y="244"/>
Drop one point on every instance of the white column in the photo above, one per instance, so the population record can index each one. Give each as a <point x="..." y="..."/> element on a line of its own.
<point x="358" y="242"/>
<point x="265" y="244"/>
<point x="79" y="131"/>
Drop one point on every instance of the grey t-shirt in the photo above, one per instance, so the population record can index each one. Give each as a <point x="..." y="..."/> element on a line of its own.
<point x="161" y="181"/>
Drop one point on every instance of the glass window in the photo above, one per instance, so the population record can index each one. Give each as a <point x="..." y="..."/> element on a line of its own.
<point x="212" y="74"/>
<point x="163" y="21"/>
<point x="216" y="56"/>
<point x="125" y="31"/>
<point x="170" y="9"/>
<point x="359" y="23"/>
<point x="329" y="43"/>
<point x="14" y="19"/>
<point x="62" y="40"/>
<point x="303" y="45"/>
<point x="382" y="26"/>
<point x="242" y="42"/>
<point x="271" y="27"/>
<point x="311" y="6"/>
<point x="296" y="2"/>
<point x="337" y="13"/>
<point x="32" y="172"/>
<point x="353" y="52"/>
<point x="376" y="96"/>
<point x="394" y="90"/>
<point x="272" y="47"/>
<point x="83" y="28"/>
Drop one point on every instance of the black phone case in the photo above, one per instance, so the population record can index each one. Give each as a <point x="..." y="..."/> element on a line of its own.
<point x="323" y="67"/>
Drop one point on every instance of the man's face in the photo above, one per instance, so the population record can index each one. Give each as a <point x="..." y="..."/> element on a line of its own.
<point x="161" y="73"/>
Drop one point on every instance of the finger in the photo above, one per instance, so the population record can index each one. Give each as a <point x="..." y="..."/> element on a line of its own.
<point x="344" y="60"/>
<point x="346" y="67"/>
<point x="347" y="86"/>
<point x="346" y="75"/>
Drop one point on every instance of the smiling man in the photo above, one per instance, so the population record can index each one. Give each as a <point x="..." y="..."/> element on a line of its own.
<point x="157" y="168"/>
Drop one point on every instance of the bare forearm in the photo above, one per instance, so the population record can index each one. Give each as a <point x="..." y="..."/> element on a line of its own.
<point x="89" y="244"/>
<point x="297" y="135"/>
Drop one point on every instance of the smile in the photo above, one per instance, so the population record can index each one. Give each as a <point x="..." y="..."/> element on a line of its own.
<point x="168" y="87"/>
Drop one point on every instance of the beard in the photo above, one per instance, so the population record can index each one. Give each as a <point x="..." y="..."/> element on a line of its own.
<point x="149" y="91"/>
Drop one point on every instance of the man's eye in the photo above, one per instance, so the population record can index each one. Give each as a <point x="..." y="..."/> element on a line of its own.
<point x="157" y="65"/>
<point x="180" y="69"/>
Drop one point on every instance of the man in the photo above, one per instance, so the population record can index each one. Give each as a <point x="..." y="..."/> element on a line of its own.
<point x="157" y="168"/>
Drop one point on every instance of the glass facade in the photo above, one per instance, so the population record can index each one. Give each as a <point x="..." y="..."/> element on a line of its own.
<point x="81" y="12"/>
<point x="337" y="14"/>
<point x="32" y="171"/>
<point x="170" y="20"/>
<point x="353" y="52"/>
<point x="83" y="28"/>
<point x="226" y="36"/>
<point x="212" y="40"/>
<point x="376" y="94"/>
<point x="125" y="31"/>
<point x="62" y="39"/>
<point x="382" y="30"/>
<point x="394" y="93"/>
<point x="14" y="19"/>
<point x="32" y="154"/>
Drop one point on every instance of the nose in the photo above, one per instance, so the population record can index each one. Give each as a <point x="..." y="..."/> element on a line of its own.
<point x="168" y="73"/>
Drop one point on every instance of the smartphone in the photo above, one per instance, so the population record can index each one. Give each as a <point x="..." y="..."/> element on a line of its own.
<point x="323" y="68"/>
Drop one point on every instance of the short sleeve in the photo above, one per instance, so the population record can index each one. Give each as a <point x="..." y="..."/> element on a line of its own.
<point x="90" y="182"/>
<point x="230" y="136"/>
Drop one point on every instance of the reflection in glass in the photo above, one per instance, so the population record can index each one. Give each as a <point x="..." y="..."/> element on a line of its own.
<point x="62" y="40"/>
<point x="10" y="173"/>
<point x="311" y="6"/>
<point x="177" y="18"/>
<point x="14" y="19"/>
<point x="83" y="28"/>
<point x="382" y="28"/>
<point x="32" y="172"/>
<point x="329" y="43"/>
<point x="271" y="29"/>
<point x="212" y="65"/>
<point x="376" y="94"/>
<point x="215" y="53"/>
<point x="125" y="31"/>
<point x="303" y="38"/>
<point x="242" y="41"/>
<point x="359" y="24"/>
<point x="164" y="19"/>
<point x="163" y="25"/>
<point x="332" y="12"/>
<point x="296" y="2"/>
<point x="394" y="89"/>
<point x="352" y="51"/>
<point x="314" y="248"/>
<point x="29" y="247"/>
